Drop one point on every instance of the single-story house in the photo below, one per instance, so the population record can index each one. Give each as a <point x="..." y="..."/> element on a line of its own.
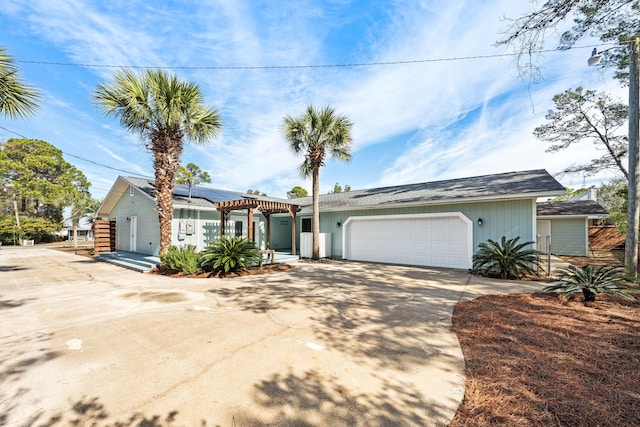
<point x="437" y="223"/>
<point x="84" y="229"/>
<point x="566" y="225"/>
<point x="131" y="204"/>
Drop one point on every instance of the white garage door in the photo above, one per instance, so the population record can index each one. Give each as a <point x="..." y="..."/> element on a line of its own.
<point x="436" y="240"/>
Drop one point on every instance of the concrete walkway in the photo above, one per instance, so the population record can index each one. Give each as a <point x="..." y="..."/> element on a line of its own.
<point x="340" y="343"/>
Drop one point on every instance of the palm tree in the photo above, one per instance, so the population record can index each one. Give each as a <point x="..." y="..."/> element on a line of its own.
<point x="84" y="206"/>
<point x="17" y="99"/>
<point x="318" y="133"/>
<point x="165" y="111"/>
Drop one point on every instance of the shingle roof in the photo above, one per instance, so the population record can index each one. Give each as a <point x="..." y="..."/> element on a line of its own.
<point x="536" y="183"/>
<point x="571" y="207"/>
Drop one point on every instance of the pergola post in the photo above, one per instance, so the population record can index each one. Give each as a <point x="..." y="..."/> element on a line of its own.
<point x="250" y="224"/>
<point x="267" y="218"/>
<point x="293" y="231"/>
<point x="223" y="219"/>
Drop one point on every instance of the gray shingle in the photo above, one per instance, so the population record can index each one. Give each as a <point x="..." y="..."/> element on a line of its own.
<point x="535" y="182"/>
<point x="570" y="207"/>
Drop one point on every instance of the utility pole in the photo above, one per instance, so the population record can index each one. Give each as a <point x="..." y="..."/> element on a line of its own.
<point x="633" y="211"/>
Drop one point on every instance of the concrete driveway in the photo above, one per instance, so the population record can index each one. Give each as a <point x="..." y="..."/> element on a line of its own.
<point x="336" y="343"/>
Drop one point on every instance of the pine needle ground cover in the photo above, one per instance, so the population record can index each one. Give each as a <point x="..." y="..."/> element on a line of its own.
<point x="534" y="360"/>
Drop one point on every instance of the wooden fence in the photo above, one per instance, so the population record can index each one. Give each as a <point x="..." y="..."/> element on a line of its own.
<point x="104" y="232"/>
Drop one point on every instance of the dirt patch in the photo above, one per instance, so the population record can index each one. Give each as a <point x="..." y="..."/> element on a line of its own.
<point x="251" y="271"/>
<point x="534" y="360"/>
<point x="167" y="297"/>
<point x="86" y="251"/>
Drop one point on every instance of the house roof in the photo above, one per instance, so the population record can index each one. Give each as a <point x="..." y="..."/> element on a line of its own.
<point x="533" y="183"/>
<point x="201" y="197"/>
<point x="529" y="184"/>
<point x="571" y="208"/>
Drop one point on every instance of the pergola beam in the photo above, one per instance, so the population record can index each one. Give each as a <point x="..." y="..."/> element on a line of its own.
<point x="267" y="208"/>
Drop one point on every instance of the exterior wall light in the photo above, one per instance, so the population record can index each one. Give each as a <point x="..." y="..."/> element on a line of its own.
<point x="338" y="224"/>
<point x="480" y="222"/>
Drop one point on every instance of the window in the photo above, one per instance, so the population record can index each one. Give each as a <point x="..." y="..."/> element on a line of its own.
<point x="238" y="229"/>
<point x="306" y="225"/>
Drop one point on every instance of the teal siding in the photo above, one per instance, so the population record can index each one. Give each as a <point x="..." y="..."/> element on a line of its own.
<point x="148" y="237"/>
<point x="281" y="232"/>
<point x="568" y="236"/>
<point x="510" y="218"/>
<point x="206" y="227"/>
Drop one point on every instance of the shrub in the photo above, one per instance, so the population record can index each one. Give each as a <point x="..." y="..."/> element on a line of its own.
<point x="183" y="258"/>
<point x="507" y="259"/>
<point x="229" y="254"/>
<point x="591" y="281"/>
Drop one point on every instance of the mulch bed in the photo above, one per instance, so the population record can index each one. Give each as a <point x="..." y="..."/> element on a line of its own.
<point x="596" y="258"/>
<point x="251" y="271"/>
<point x="80" y="250"/>
<point x="538" y="360"/>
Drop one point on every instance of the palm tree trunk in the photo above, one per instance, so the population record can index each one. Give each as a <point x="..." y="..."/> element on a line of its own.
<point x="166" y="162"/>
<point x="315" y="254"/>
<point x="75" y="234"/>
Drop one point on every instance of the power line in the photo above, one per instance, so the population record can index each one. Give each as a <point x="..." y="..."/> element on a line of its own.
<point x="83" y="159"/>
<point x="277" y="67"/>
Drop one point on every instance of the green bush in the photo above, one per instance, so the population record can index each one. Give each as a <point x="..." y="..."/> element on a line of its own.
<point x="591" y="281"/>
<point x="38" y="229"/>
<point x="183" y="258"/>
<point x="229" y="254"/>
<point x="507" y="259"/>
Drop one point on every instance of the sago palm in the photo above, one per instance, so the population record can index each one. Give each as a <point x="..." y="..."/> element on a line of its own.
<point x="229" y="254"/>
<point x="507" y="259"/>
<point x="17" y="99"/>
<point x="591" y="281"/>
<point x="165" y="111"/>
<point x="316" y="134"/>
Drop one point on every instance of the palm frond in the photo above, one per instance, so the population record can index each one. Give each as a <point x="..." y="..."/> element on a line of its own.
<point x="591" y="281"/>
<point x="17" y="99"/>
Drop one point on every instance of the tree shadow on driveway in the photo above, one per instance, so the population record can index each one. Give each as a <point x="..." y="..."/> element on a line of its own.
<point x="310" y="399"/>
<point x="375" y="314"/>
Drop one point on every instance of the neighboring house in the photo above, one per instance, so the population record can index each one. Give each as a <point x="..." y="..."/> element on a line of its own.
<point x="85" y="230"/>
<point x="590" y="193"/>
<point x="567" y="222"/>
<point x="436" y="223"/>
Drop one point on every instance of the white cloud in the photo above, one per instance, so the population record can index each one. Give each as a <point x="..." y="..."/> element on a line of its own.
<point x="440" y="119"/>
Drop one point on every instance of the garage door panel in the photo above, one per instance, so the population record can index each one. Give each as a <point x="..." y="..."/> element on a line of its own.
<point x="441" y="240"/>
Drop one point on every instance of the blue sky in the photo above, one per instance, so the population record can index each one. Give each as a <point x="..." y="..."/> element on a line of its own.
<point x="416" y="122"/>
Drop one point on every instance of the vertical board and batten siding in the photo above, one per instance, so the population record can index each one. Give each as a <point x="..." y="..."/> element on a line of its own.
<point x="569" y="236"/>
<point x="206" y="227"/>
<point x="510" y="218"/>
<point x="281" y="232"/>
<point x="148" y="233"/>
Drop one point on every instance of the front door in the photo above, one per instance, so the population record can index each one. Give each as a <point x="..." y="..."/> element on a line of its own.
<point x="133" y="233"/>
